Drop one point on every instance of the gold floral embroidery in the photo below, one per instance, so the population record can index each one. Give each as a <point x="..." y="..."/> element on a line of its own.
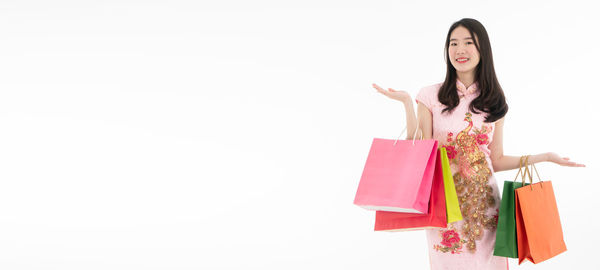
<point x="475" y="196"/>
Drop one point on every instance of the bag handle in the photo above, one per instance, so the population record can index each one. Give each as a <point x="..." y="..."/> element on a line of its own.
<point x="414" y="135"/>
<point x="522" y="172"/>
<point x="531" y="177"/>
<point x="526" y="171"/>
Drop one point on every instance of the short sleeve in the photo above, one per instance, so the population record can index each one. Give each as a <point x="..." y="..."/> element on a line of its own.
<point x="428" y="96"/>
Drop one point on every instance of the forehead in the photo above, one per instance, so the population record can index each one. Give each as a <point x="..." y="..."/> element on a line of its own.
<point x="460" y="33"/>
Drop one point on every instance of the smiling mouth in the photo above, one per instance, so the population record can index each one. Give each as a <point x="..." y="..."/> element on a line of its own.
<point x="462" y="60"/>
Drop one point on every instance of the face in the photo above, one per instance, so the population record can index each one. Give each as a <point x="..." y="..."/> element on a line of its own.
<point x="462" y="51"/>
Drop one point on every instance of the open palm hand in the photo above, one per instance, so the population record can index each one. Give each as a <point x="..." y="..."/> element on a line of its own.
<point x="563" y="161"/>
<point x="393" y="94"/>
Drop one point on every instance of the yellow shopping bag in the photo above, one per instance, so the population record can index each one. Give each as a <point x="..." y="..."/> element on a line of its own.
<point x="452" y="208"/>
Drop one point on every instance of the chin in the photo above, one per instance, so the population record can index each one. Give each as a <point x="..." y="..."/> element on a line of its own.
<point x="464" y="69"/>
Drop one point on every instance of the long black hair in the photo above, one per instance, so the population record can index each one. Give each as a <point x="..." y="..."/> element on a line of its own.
<point x="491" y="98"/>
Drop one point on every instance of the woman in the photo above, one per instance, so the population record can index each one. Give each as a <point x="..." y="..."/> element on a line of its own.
<point x="465" y="113"/>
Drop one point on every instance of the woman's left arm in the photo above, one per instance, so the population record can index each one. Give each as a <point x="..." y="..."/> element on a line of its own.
<point x="500" y="162"/>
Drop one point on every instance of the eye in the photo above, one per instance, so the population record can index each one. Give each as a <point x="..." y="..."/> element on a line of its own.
<point x="469" y="42"/>
<point x="452" y="44"/>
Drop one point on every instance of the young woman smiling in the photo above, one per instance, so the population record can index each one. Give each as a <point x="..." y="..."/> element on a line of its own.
<point x="465" y="113"/>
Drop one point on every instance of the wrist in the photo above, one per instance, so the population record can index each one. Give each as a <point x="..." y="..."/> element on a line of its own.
<point x="544" y="157"/>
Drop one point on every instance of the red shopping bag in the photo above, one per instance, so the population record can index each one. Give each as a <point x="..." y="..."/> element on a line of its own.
<point x="436" y="218"/>
<point x="398" y="175"/>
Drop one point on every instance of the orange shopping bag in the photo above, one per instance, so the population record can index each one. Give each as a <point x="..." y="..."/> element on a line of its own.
<point x="539" y="233"/>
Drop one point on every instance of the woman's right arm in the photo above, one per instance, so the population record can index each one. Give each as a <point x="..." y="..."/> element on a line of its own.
<point x="425" y="122"/>
<point x="411" y="120"/>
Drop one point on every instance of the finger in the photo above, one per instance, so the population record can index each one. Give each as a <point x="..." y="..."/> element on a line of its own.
<point x="573" y="164"/>
<point x="383" y="92"/>
<point x="379" y="88"/>
<point x="563" y="162"/>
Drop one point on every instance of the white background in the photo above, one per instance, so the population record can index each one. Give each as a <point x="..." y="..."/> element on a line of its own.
<point x="232" y="134"/>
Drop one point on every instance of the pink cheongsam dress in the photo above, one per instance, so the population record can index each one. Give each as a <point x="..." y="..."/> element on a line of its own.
<point x="468" y="243"/>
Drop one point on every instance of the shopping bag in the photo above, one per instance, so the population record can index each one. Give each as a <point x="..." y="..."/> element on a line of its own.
<point x="435" y="218"/>
<point x="452" y="207"/>
<point x="397" y="176"/>
<point x="506" y="232"/>
<point x="539" y="233"/>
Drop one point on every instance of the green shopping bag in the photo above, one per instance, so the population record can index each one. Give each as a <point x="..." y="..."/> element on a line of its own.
<point x="452" y="207"/>
<point x="506" y="232"/>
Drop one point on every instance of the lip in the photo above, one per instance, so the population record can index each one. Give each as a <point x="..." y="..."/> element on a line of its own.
<point x="462" y="60"/>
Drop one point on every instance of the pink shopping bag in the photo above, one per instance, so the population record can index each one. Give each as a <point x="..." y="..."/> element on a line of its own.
<point x="436" y="218"/>
<point x="397" y="176"/>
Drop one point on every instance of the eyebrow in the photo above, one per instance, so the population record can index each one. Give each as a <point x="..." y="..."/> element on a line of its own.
<point x="454" y="39"/>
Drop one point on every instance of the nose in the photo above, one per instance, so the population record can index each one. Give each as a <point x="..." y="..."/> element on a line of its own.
<point x="460" y="52"/>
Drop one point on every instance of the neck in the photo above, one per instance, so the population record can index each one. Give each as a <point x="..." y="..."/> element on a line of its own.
<point x="467" y="78"/>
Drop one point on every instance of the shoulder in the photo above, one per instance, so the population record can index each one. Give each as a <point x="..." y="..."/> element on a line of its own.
<point x="499" y="123"/>
<point x="431" y="89"/>
<point x="428" y="95"/>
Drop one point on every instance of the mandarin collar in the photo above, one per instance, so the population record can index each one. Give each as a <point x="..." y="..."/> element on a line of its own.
<point x="463" y="90"/>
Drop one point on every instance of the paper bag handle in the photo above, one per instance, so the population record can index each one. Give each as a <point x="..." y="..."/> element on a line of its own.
<point x="414" y="135"/>
<point x="522" y="172"/>
<point x="531" y="177"/>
